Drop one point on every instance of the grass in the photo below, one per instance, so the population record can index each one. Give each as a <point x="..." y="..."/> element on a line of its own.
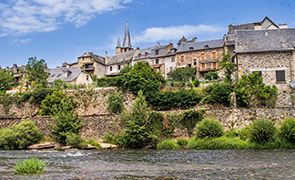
<point x="30" y="166"/>
<point x="167" y="145"/>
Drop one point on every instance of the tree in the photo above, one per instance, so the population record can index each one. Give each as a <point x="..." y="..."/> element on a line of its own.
<point x="36" y="72"/>
<point x="7" y="80"/>
<point x="184" y="75"/>
<point x="228" y="66"/>
<point x="141" y="77"/>
<point x="211" y="75"/>
<point x="252" y="92"/>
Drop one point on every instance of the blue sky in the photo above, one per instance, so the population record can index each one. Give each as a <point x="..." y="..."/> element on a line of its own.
<point x="62" y="30"/>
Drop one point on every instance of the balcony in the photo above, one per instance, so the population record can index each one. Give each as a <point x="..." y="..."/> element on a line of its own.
<point x="207" y="69"/>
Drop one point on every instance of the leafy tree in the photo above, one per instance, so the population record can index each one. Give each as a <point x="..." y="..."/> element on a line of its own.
<point x="228" y="66"/>
<point x="185" y="74"/>
<point x="36" y="72"/>
<point x="7" y="80"/>
<point x="211" y="75"/>
<point x="141" y="77"/>
<point x="115" y="103"/>
<point x="219" y="93"/>
<point x="252" y="92"/>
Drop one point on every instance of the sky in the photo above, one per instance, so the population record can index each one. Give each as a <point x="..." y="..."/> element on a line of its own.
<point x="62" y="30"/>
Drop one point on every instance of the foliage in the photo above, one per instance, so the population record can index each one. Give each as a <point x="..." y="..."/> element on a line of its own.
<point x="7" y="80"/>
<point x="36" y="72"/>
<point x="218" y="143"/>
<point x="262" y="131"/>
<point x="30" y="166"/>
<point x="196" y="83"/>
<point x="228" y="66"/>
<point x="209" y="128"/>
<point x="20" y="136"/>
<point x="167" y="145"/>
<point x="252" y="92"/>
<point x="182" y="142"/>
<point x="213" y="75"/>
<point x="184" y="75"/>
<point x="108" y="138"/>
<point x="218" y="93"/>
<point x="93" y="142"/>
<point x="67" y="120"/>
<point x="167" y="100"/>
<point x="115" y="103"/>
<point x="287" y="130"/>
<point x="107" y="81"/>
<point x="244" y="133"/>
<point x="52" y="102"/>
<point x="137" y="132"/>
<point x="231" y="133"/>
<point x="141" y="77"/>
<point x="190" y="118"/>
<point x="75" y="141"/>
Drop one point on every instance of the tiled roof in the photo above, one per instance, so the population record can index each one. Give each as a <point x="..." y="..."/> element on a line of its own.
<point x="95" y="57"/>
<point x="142" y="52"/>
<point x="265" y="40"/>
<point x="63" y="73"/>
<point x="120" y="58"/>
<point x="194" y="46"/>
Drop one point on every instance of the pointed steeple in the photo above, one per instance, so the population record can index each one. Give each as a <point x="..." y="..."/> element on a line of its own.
<point x="118" y="43"/>
<point x="127" y="40"/>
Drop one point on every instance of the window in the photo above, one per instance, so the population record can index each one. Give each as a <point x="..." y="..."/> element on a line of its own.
<point x="189" y="65"/>
<point x="157" y="52"/>
<point x="259" y="73"/>
<point x="214" y="65"/>
<point x="171" y="68"/>
<point x="145" y="54"/>
<point x="280" y="75"/>
<point x="157" y="61"/>
<point x="182" y="58"/>
<point x="111" y="68"/>
<point x="139" y="55"/>
<point x="87" y="78"/>
<point x="214" y="55"/>
<point x="119" y="67"/>
<point x="203" y="66"/>
<point x="173" y="59"/>
<point x="195" y="62"/>
<point x="203" y="56"/>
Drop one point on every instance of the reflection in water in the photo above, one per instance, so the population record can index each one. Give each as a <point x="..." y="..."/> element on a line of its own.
<point x="153" y="164"/>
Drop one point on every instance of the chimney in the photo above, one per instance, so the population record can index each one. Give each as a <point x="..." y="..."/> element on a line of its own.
<point x="283" y="26"/>
<point x="171" y="44"/>
<point x="106" y="54"/>
<point x="106" y="57"/>
<point x="194" y="39"/>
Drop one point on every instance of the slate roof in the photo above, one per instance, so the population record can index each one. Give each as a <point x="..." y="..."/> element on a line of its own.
<point x="161" y="49"/>
<point x="194" y="46"/>
<point x="120" y="58"/>
<point x="127" y="39"/>
<point x="265" y="40"/>
<point x="95" y="57"/>
<point x="59" y="73"/>
<point x="147" y="50"/>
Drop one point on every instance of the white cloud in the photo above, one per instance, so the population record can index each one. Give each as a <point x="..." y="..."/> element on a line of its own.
<point x="25" y="16"/>
<point x="20" y="42"/>
<point x="175" y="32"/>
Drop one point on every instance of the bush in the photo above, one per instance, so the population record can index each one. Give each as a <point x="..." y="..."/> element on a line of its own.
<point x="209" y="128"/>
<point x="108" y="138"/>
<point x="75" y="141"/>
<point x="219" y="93"/>
<point x="182" y="142"/>
<point x="262" y="131"/>
<point x="218" y="143"/>
<point x="231" y="133"/>
<point x="167" y="145"/>
<point x="30" y="166"/>
<point x="190" y="118"/>
<point x="211" y="75"/>
<point x="174" y="100"/>
<point x="20" y="136"/>
<point x="287" y="130"/>
<point x="196" y="83"/>
<point x="115" y="103"/>
<point x="107" y="81"/>
<point x="93" y="142"/>
<point x="244" y="133"/>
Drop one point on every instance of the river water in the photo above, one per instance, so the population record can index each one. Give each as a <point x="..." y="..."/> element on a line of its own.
<point x="153" y="164"/>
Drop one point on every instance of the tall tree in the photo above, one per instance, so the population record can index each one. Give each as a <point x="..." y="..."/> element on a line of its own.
<point x="7" y="80"/>
<point x="36" y="71"/>
<point x="228" y="66"/>
<point x="183" y="74"/>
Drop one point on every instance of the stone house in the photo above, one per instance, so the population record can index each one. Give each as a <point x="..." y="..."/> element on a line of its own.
<point x="74" y="75"/>
<point x="271" y="54"/>
<point x="92" y="64"/>
<point x="203" y="55"/>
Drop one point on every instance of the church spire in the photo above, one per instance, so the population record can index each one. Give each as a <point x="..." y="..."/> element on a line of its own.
<point x="127" y="40"/>
<point x="118" y="43"/>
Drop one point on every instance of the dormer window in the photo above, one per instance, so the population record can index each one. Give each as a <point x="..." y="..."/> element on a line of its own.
<point x="157" y="52"/>
<point x="191" y="48"/>
<point x="206" y="46"/>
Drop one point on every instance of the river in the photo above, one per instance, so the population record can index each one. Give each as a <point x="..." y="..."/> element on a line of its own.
<point x="153" y="164"/>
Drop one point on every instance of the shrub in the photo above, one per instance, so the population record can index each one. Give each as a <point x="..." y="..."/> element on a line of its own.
<point x="196" y="83"/>
<point x="108" y="138"/>
<point x="183" y="75"/>
<point x="167" y="145"/>
<point x="115" y="103"/>
<point x="190" y="118"/>
<point x="244" y="133"/>
<point x="287" y="130"/>
<point x="182" y="142"/>
<point x="211" y="75"/>
<point x="262" y="131"/>
<point x="219" y="93"/>
<point x="231" y="133"/>
<point x="20" y="136"/>
<point x="173" y="100"/>
<point x="75" y="140"/>
<point x="93" y="142"/>
<point x="218" y="143"/>
<point x="107" y="81"/>
<point x="30" y="166"/>
<point x="209" y="128"/>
